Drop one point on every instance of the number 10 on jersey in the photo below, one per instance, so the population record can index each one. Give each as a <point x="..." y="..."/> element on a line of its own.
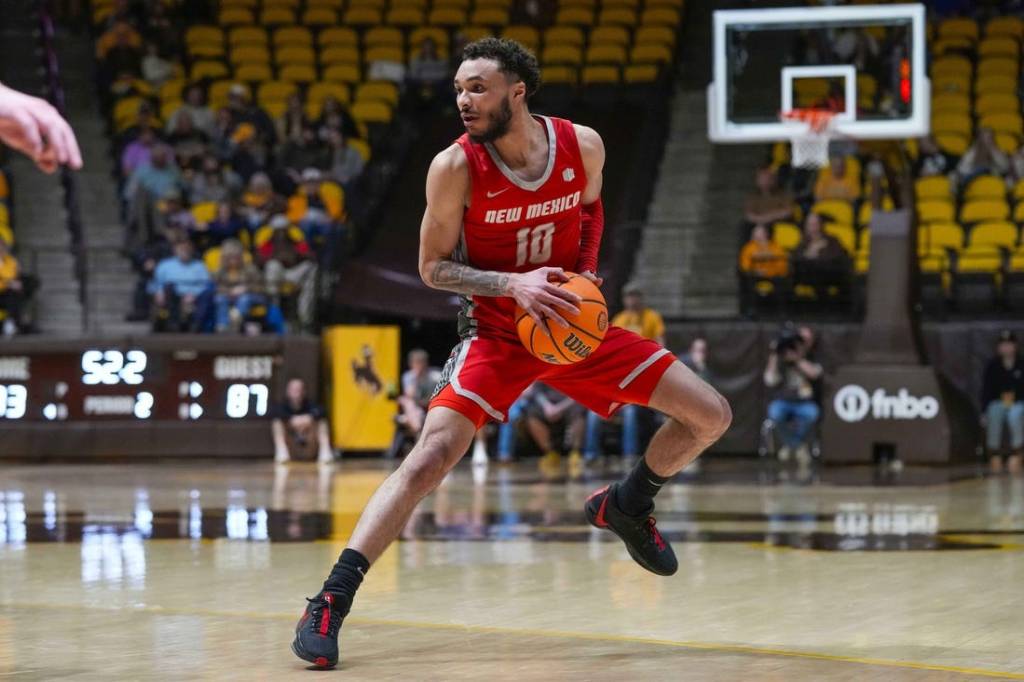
<point x="533" y="244"/>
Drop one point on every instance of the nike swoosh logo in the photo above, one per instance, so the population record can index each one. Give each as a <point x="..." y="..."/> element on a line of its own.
<point x="491" y="195"/>
<point x="599" y="519"/>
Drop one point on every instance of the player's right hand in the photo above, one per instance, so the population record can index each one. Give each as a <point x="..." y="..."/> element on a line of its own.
<point x="536" y="293"/>
<point x="32" y="126"/>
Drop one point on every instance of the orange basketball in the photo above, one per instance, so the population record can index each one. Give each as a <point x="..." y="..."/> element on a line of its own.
<point x="584" y="335"/>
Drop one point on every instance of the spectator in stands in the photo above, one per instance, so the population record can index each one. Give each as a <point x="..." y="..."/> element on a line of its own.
<point x="982" y="158"/>
<point x="288" y="262"/>
<point x="189" y="142"/>
<point x="334" y="116"/>
<point x="317" y="206"/>
<point x="428" y="73"/>
<point x="769" y="203"/>
<point x="120" y="33"/>
<point x="239" y="287"/>
<point x="418" y="384"/>
<point x="819" y="260"/>
<point x="213" y="182"/>
<point x="227" y="225"/>
<point x="172" y="214"/>
<point x="931" y="160"/>
<point x="1002" y="399"/>
<point x="762" y="257"/>
<point x="793" y="373"/>
<point x="346" y="163"/>
<point x="247" y="157"/>
<point x="195" y="107"/>
<point x="696" y="358"/>
<point x="137" y="151"/>
<point x="124" y="54"/>
<point x="260" y="202"/>
<point x="292" y="121"/>
<point x="300" y="425"/>
<point x="11" y="290"/>
<point x="835" y="182"/>
<point x="159" y="29"/>
<point x="181" y="286"/>
<point x="305" y="152"/>
<point x="244" y="111"/>
<point x="547" y="412"/>
<point x="223" y="129"/>
<point x="155" y="69"/>
<point x="150" y="181"/>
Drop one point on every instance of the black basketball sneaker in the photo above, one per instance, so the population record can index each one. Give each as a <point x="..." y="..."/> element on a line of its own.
<point x="316" y="635"/>
<point x="643" y="541"/>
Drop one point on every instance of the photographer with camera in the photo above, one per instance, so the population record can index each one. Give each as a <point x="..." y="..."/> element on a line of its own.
<point x="793" y="372"/>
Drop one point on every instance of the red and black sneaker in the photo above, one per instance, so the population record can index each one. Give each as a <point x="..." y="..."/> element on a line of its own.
<point x="643" y="541"/>
<point x="316" y="635"/>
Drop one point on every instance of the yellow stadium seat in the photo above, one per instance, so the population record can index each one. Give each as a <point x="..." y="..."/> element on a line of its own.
<point x="864" y="243"/>
<point x="995" y="233"/>
<point x="584" y="4"/>
<point x="253" y="73"/>
<point x="945" y="236"/>
<point x="7" y="234"/>
<point x="5" y="215"/>
<point x="562" y="54"/>
<point x="297" y="73"/>
<point x="993" y="102"/>
<point x="986" y="187"/>
<point x="620" y="4"/>
<point x="327" y="4"/>
<point x="247" y="35"/>
<point x="435" y="33"/>
<point x="203" y="34"/>
<point x="1018" y="213"/>
<point x="340" y="54"/>
<point x="319" y="16"/>
<point x="1001" y="122"/>
<point x="933" y="261"/>
<point x="600" y="75"/>
<point x="204" y="212"/>
<point x="651" y="54"/>
<point x="212" y="259"/>
<point x="235" y="16"/>
<point x="172" y="89"/>
<point x="168" y="107"/>
<point x="1018" y="190"/>
<point x="948" y="46"/>
<point x="617" y="16"/>
<point x="952" y="65"/>
<point x="249" y="54"/>
<point x="999" y="47"/>
<point x="272" y="91"/>
<point x="1008" y="26"/>
<point x="640" y="73"/>
<point x="367" y="4"/>
<point x="249" y="4"/>
<point x="404" y="16"/>
<point x="421" y="5"/>
<point x="293" y="36"/>
<point x="959" y="27"/>
<point x="1008" y="142"/>
<point x="452" y="4"/>
<point x="384" y="53"/>
<point x="953" y="103"/>
<point x="362" y="16"/>
<point x="574" y="16"/>
<point x="295" y="55"/>
<point x="218" y="91"/>
<point x="337" y="36"/>
<point x="866" y="210"/>
<point x="935" y="211"/>
<point x="662" y="35"/>
<point x="287" y="4"/>
<point x="562" y="36"/>
<point x="998" y="66"/>
<point x="361" y="146"/>
<point x="840" y="211"/>
<point x="982" y="259"/>
<point x="844" y="234"/>
<point x="786" y="235"/>
<point x="378" y="91"/>
<point x="605" y="54"/>
<point x="473" y="32"/>
<point x="674" y="4"/>
<point x="447" y="16"/>
<point x="1016" y="263"/>
<point x="660" y="16"/>
<point x="342" y="73"/>
<point x="528" y="36"/>
<point x="559" y="75"/>
<point x="318" y="92"/>
<point x="371" y="111"/>
<point x="951" y="83"/>
<point x="503" y="4"/>
<point x="277" y="16"/>
<point x="206" y="50"/>
<point x="383" y="36"/>
<point x="997" y="83"/>
<point x="953" y="143"/>
<point x="609" y="35"/>
<point x="490" y="16"/>
<point x="983" y="210"/>
<point x="959" y="124"/>
<point x="208" y="69"/>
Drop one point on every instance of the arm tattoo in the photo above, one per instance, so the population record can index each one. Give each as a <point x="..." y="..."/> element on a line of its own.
<point x="462" y="279"/>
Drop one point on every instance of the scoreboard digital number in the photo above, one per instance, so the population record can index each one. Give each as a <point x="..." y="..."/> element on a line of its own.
<point x="135" y="384"/>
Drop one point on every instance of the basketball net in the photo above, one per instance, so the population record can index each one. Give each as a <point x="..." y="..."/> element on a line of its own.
<point x="810" y="147"/>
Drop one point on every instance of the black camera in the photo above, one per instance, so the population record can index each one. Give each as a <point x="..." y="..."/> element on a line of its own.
<point x="787" y="340"/>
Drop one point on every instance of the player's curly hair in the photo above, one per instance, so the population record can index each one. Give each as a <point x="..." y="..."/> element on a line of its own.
<point x="513" y="60"/>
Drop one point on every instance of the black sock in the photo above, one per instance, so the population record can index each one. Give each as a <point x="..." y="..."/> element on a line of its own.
<point x="635" y="495"/>
<point x="347" y="575"/>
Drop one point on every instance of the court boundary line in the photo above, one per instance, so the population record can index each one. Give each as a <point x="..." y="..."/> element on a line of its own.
<point x="553" y="634"/>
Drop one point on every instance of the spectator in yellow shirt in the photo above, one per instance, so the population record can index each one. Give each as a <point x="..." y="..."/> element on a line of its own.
<point x="836" y="182"/>
<point x="761" y="256"/>
<point x="637" y="318"/>
<point x="10" y="290"/>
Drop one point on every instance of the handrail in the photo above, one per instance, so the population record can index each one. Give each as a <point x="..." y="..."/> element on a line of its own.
<point x="55" y="94"/>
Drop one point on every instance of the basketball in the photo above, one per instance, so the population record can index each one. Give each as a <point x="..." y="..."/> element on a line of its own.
<point x="584" y="335"/>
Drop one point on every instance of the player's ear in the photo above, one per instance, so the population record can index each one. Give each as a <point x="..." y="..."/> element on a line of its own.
<point x="519" y="91"/>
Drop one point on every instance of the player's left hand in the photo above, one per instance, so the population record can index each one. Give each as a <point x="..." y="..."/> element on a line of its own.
<point x="598" y="281"/>
<point x="33" y="127"/>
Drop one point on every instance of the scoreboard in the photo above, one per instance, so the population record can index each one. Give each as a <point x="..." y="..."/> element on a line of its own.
<point x="57" y="392"/>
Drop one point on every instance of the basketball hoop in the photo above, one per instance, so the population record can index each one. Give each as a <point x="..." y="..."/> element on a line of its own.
<point x="810" y="146"/>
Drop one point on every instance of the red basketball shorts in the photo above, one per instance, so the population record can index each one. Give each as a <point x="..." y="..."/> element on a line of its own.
<point x="484" y="376"/>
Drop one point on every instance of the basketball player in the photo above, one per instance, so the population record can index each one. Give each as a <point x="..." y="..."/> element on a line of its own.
<point x="512" y="206"/>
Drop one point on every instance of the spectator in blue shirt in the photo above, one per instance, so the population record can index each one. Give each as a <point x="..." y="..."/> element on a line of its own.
<point x="183" y="291"/>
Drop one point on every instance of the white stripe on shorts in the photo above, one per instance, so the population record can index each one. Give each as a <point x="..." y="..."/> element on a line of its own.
<point x="465" y="393"/>
<point x="642" y="366"/>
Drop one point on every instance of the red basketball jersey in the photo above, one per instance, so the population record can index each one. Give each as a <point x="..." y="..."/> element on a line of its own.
<point x="512" y="225"/>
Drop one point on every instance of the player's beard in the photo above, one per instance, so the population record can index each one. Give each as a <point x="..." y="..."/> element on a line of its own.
<point x="499" y="122"/>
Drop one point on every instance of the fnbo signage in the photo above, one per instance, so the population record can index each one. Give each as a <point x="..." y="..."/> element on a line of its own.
<point x="853" y="403"/>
